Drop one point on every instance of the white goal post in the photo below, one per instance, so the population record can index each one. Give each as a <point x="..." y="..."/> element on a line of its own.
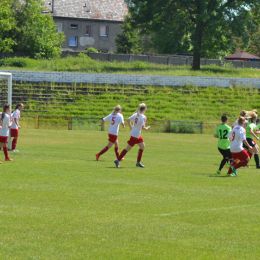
<point x="9" y="77"/>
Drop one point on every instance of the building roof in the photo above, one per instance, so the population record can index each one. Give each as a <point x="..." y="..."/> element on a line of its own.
<point x="113" y="10"/>
<point x="243" y="55"/>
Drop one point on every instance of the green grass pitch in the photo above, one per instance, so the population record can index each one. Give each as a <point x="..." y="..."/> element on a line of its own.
<point x="57" y="202"/>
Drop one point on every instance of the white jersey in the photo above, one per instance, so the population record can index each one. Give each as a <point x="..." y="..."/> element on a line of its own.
<point x="237" y="135"/>
<point x="5" y="125"/>
<point x="16" y="114"/>
<point x="139" y="122"/>
<point x="236" y="123"/>
<point x="115" y="120"/>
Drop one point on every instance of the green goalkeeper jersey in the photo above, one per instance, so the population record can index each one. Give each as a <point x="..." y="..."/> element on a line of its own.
<point x="222" y="132"/>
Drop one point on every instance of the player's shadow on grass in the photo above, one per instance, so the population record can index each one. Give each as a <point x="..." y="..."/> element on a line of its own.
<point x="219" y="176"/>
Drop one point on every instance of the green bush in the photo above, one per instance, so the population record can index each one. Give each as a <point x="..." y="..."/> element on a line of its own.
<point x="91" y="49"/>
<point x="83" y="55"/>
<point x="13" y="62"/>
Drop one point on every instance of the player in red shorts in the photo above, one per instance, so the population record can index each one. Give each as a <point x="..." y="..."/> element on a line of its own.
<point x="237" y="139"/>
<point x="15" y="126"/>
<point x="4" y="131"/>
<point x="139" y="123"/>
<point x="115" y="119"/>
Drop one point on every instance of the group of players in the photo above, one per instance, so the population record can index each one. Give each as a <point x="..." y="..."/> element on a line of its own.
<point x="115" y="119"/>
<point x="237" y="144"/>
<point x="8" y="122"/>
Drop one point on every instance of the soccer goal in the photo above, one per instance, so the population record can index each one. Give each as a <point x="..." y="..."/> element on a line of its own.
<point x="6" y="95"/>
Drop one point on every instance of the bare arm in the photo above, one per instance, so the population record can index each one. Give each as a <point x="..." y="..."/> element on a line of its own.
<point x="216" y="136"/>
<point x="129" y="123"/>
<point x="247" y="144"/>
<point x="101" y="123"/>
<point x="146" y="128"/>
<point x="253" y="134"/>
<point x="123" y="124"/>
<point x="16" y="122"/>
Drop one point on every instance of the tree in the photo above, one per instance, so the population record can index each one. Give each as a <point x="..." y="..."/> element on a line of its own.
<point x="6" y="24"/>
<point x="254" y="44"/>
<point x="202" y="27"/>
<point x="35" y="32"/>
<point x="128" y="41"/>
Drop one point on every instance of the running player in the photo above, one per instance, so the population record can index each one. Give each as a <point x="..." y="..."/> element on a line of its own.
<point x="4" y="131"/>
<point x="139" y="123"/>
<point x="250" y="134"/>
<point x="237" y="139"/>
<point x="221" y="133"/>
<point x="15" y="126"/>
<point x="115" y="118"/>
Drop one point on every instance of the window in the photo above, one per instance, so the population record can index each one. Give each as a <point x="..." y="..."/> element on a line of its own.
<point x="73" y="41"/>
<point x="59" y="27"/>
<point x="104" y="31"/>
<point x="88" y="30"/>
<point x="74" y="26"/>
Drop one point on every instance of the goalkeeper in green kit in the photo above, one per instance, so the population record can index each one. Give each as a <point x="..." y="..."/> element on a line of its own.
<point x="221" y="133"/>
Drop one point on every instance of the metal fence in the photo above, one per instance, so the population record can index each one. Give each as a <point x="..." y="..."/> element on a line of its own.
<point x="89" y="123"/>
<point x="185" y="127"/>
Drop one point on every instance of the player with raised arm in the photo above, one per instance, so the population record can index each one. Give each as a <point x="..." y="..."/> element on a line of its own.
<point x="15" y="126"/>
<point x="221" y="133"/>
<point x="138" y="120"/>
<point x="115" y="119"/>
<point x="237" y="139"/>
<point x="250" y="134"/>
<point x="4" y="131"/>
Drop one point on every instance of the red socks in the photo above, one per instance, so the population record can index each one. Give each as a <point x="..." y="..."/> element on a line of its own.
<point x="117" y="152"/>
<point x="237" y="165"/>
<point x="5" y="152"/>
<point x="103" y="151"/>
<point x="139" y="155"/>
<point x="14" y="143"/>
<point x="0" y="148"/>
<point x="241" y="164"/>
<point x="123" y="153"/>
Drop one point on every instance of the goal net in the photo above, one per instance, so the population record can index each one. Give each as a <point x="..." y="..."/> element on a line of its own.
<point x="6" y="94"/>
<point x="185" y="127"/>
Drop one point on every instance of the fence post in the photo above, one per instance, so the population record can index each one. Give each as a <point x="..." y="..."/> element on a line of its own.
<point x="69" y="124"/>
<point x="37" y="122"/>
<point x="201" y="127"/>
<point x="168" y="126"/>
<point x="103" y="127"/>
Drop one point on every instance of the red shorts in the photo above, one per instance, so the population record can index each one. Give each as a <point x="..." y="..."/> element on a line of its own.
<point x="134" y="140"/>
<point x="243" y="155"/>
<point x="14" y="132"/>
<point x="112" y="138"/>
<point x="3" y="139"/>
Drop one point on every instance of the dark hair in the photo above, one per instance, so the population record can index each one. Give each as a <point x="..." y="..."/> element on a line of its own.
<point x="18" y="105"/>
<point x="5" y="106"/>
<point x="224" y="118"/>
<point x="243" y="113"/>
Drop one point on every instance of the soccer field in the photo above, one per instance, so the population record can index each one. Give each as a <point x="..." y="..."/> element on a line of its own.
<point x="57" y="202"/>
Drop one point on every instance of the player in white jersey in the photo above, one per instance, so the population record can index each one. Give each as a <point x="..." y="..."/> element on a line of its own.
<point x="237" y="139"/>
<point x="115" y="119"/>
<point x="243" y="113"/>
<point x="15" y="126"/>
<point x="4" y="131"/>
<point x="138" y="120"/>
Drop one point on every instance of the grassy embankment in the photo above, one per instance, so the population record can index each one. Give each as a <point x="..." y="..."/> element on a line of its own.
<point x="81" y="64"/>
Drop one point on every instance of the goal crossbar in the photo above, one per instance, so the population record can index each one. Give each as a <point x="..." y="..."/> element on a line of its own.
<point x="9" y="77"/>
